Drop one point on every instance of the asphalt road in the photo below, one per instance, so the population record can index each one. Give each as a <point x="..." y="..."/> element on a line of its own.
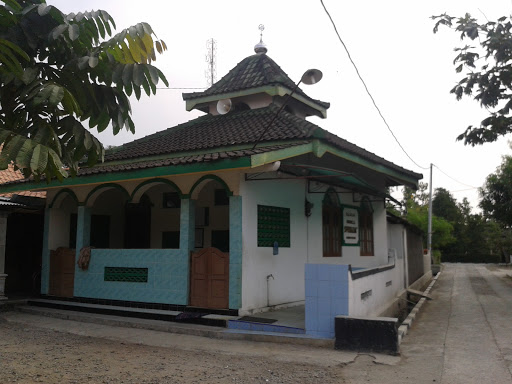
<point x="463" y="335"/>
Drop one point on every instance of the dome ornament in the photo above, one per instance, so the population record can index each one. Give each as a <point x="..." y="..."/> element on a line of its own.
<point x="261" y="48"/>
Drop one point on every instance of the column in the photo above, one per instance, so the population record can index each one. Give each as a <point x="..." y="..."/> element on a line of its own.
<point x="83" y="239"/>
<point x="235" y="252"/>
<point x="45" y="261"/>
<point x="187" y="227"/>
<point x="3" y="235"/>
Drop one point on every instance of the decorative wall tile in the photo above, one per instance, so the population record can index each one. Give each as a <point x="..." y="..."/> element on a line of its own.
<point x="327" y="296"/>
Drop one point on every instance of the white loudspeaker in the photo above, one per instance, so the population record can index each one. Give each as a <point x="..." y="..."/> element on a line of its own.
<point x="224" y="106"/>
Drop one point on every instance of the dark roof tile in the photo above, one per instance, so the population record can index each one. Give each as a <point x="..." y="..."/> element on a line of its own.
<point x="255" y="71"/>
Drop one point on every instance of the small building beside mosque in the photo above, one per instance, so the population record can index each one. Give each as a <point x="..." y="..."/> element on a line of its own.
<point x="223" y="212"/>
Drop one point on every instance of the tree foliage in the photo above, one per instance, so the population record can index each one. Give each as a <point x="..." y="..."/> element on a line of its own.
<point x="416" y="204"/>
<point x="58" y="71"/>
<point x="496" y="194"/>
<point x="488" y="67"/>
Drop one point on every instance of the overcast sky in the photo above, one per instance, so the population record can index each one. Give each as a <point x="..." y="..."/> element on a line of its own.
<point x="406" y="67"/>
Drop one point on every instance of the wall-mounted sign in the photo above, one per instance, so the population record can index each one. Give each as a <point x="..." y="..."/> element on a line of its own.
<point x="350" y="226"/>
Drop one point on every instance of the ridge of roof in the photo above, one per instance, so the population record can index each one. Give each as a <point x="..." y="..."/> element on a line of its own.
<point x="254" y="71"/>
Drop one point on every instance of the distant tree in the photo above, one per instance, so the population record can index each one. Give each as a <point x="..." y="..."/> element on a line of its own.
<point x="496" y="194"/>
<point x="416" y="203"/>
<point x="445" y="205"/>
<point x="57" y="71"/>
<point x="488" y="67"/>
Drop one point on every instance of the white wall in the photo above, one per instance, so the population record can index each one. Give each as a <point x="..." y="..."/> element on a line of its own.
<point x="287" y="267"/>
<point x="397" y="240"/>
<point x="382" y="295"/>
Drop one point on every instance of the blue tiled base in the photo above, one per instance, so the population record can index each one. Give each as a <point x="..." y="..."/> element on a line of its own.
<point x="261" y="327"/>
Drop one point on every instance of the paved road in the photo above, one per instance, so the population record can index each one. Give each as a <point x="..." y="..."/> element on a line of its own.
<point x="464" y="335"/>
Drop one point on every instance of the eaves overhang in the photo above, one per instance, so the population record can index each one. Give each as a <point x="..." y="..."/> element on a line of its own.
<point x="276" y="90"/>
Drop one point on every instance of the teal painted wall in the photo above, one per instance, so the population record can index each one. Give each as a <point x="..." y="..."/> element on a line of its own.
<point x="168" y="269"/>
<point x="167" y="276"/>
<point x="235" y="252"/>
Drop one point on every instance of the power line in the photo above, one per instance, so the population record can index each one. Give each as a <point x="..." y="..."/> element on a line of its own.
<point x="178" y="88"/>
<point x="366" y="88"/>
<point x="457" y="181"/>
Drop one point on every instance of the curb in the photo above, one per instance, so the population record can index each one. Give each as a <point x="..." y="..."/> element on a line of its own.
<point x="407" y="323"/>
<point x="179" y="328"/>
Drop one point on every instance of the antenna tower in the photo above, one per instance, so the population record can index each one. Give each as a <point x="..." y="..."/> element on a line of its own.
<point x="211" y="59"/>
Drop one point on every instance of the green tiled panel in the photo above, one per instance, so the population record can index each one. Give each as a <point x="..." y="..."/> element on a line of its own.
<point x="130" y="275"/>
<point x="273" y="225"/>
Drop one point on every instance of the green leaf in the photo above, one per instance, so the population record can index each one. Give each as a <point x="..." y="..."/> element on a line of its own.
<point x="103" y="120"/>
<point x="43" y="9"/>
<point x="153" y="74"/>
<point x="56" y="94"/>
<point x="15" y="48"/>
<point x="74" y="31"/>
<point x="106" y="21"/>
<point x="88" y="140"/>
<point x="138" y="74"/>
<point x="127" y="53"/>
<point x="128" y="75"/>
<point x="39" y="159"/>
<point x="134" y="49"/>
<point x="59" y="30"/>
<point x="93" y="61"/>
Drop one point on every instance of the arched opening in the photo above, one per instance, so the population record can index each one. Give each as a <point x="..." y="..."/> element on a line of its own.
<point x="107" y="210"/>
<point x="212" y="216"/>
<point x="155" y="213"/>
<point x="209" y="264"/>
<point x="61" y="244"/>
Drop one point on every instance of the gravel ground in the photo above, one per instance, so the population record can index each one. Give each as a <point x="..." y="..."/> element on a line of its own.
<point x="36" y="355"/>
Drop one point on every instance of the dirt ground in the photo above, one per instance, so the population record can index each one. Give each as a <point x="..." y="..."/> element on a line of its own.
<point x="36" y="355"/>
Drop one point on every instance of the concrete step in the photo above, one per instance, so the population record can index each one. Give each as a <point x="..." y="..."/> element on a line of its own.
<point x="139" y="313"/>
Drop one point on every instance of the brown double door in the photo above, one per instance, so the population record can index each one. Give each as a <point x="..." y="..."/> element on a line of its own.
<point x="209" y="279"/>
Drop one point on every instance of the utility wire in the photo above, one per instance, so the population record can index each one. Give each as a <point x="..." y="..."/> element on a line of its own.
<point x="365" y="87"/>
<point x="177" y="88"/>
<point x="457" y="181"/>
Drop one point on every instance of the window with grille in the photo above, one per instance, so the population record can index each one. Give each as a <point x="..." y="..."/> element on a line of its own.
<point x="123" y="274"/>
<point x="273" y="226"/>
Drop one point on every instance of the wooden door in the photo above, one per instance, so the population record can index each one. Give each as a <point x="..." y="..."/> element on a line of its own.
<point x="209" y="279"/>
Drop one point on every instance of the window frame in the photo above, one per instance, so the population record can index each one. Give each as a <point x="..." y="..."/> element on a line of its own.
<point x="331" y="225"/>
<point x="366" y="229"/>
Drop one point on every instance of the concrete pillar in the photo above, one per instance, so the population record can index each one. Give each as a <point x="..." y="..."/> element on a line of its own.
<point x="45" y="261"/>
<point x="235" y="252"/>
<point x="83" y="229"/>
<point x="83" y="239"/>
<point x="3" y="236"/>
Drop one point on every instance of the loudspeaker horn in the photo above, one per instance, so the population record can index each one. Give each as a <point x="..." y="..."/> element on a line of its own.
<point x="224" y="106"/>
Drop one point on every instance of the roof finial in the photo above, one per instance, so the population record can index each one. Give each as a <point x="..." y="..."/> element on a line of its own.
<point x="261" y="47"/>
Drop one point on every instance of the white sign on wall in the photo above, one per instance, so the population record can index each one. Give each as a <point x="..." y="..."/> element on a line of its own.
<point x="350" y="226"/>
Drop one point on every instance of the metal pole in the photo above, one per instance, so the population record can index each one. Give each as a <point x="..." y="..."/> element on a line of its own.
<point x="429" y="238"/>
